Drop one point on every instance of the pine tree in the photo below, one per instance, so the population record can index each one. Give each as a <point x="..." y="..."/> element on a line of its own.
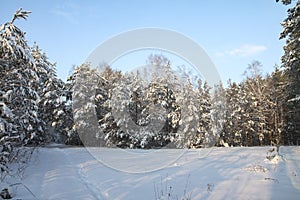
<point x="83" y="87"/>
<point x="52" y="110"/>
<point x="257" y="93"/>
<point x="19" y="80"/>
<point x="125" y="119"/>
<point x="276" y="85"/>
<point x="109" y="80"/>
<point x="162" y="97"/>
<point x="190" y="121"/>
<point x="218" y="111"/>
<point x="163" y="94"/>
<point x="232" y="133"/>
<point x="144" y="112"/>
<point x="291" y="63"/>
<point x="19" y="119"/>
<point x="203" y="107"/>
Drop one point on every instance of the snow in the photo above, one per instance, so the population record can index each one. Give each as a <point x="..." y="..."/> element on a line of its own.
<point x="60" y="172"/>
<point x="6" y="111"/>
<point x="297" y="98"/>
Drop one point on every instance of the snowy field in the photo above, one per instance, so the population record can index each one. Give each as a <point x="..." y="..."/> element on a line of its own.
<point x="216" y="173"/>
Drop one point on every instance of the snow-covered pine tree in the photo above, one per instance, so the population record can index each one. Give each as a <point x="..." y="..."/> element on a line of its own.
<point x="108" y="80"/>
<point x="85" y="83"/>
<point x="161" y="95"/>
<point x="138" y="107"/>
<point x="128" y="125"/>
<point x="234" y="131"/>
<point x="52" y="102"/>
<point x="256" y="91"/>
<point x="291" y="63"/>
<point x="165" y="92"/>
<point x="272" y="109"/>
<point x="120" y="125"/>
<point x="203" y="108"/>
<point x="187" y="134"/>
<point x="218" y="111"/>
<point x="19" y="122"/>
<point x="144" y="111"/>
<point x="72" y="137"/>
<point x="253" y="119"/>
<point x="276" y="118"/>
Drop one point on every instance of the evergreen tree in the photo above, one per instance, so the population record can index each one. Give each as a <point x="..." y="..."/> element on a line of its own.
<point x="232" y="130"/>
<point x="84" y="84"/>
<point x="257" y="108"/>
<point x="19" y="118"/>
<point x="162" y="97"/>
<point x="52" y="110"/>
<point x="19" y="81"/>
<point x="144" y="112"/>
<point x="291" y="63"/>
<point x="203" y="107"/>
<point x="165" y="92"/>
<point x="125" y="118"/>
<point x="188" y="131"/>
<point x="276" y="117"/>
<point x="218" y="111"/>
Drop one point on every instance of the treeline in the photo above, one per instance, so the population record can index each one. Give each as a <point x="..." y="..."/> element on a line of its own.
<point x="250" y="113"/>
<point x="165" y="111"/>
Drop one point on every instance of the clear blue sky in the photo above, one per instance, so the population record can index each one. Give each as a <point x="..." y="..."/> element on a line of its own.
<point x="233" y="33"/>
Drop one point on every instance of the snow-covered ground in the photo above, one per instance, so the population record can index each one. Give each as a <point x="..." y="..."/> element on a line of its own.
<point x="215" y="173"/>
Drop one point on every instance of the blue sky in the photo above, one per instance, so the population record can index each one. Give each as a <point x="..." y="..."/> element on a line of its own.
<point x="233" y="33"/>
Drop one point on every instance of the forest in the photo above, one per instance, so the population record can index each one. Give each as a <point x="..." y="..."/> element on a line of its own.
<point x="38" y="108"/>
